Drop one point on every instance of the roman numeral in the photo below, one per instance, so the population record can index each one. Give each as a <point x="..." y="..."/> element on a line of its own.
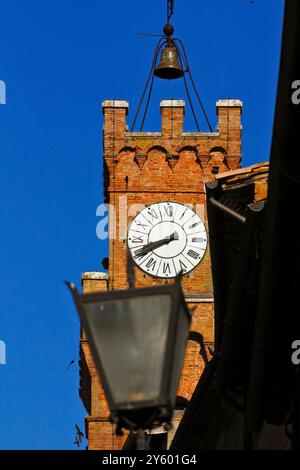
<point x="194" y="225"/>
<point x="193" y="254"/>
<point x="197" y="240"/>
<point x="139" y="224"/>
<point x="168" y="211"/>
<point x="137" y="239"/>
<point x="151" y="264"/>
<point x="166" y="268"/>
<point x="182" y="265"/>
<point x="138" y="254"/>
<point x="153" y="214"/>
<point x="183" y="214"/>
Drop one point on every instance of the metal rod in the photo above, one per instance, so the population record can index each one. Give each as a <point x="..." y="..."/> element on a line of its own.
<point x="227" y="210"/>
<point x="194" y="86"/>
<point x="186" y="86"/>
<point x="160" y="44"/>
<point x="147" y="104"/>
<point x="151" y="86"/>
<point x="170" y="10"/>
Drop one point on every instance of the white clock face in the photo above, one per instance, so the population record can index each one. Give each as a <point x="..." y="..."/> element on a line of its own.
<point x="167" y="238"/>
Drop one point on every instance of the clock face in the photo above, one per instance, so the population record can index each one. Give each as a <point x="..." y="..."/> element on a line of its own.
<point x="167" y="238"/>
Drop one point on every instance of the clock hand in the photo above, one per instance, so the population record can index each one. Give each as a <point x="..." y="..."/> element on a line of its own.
<point x="154" y="245"/>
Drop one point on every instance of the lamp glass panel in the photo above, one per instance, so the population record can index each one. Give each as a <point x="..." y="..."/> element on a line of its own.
<point x="130" y="336"/>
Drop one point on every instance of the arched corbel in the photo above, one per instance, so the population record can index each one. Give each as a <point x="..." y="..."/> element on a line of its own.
<point x="140" y="159"/>
<point x="172" y="160"/>
<point x="203" y="160"/>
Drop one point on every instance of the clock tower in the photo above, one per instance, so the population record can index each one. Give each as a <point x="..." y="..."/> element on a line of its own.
<point x="154" y="186"/>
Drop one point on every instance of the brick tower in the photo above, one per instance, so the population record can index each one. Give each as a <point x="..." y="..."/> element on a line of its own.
<point x="141" y="169"/>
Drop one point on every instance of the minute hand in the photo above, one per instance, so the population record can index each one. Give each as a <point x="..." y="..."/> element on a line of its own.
<point x="154" y="245"/>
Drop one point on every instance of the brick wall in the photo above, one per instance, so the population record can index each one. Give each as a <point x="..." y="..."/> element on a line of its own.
<point x="144" y="168"/>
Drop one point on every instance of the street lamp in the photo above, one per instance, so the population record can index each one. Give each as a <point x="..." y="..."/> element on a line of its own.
<point x="138" y="339"/>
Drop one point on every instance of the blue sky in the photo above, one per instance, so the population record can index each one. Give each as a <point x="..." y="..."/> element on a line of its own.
<point x="59" y="61"/>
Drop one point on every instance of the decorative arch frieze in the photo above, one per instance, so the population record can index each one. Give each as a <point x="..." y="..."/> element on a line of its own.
<point x="218" y="158"/>
<point x="218" y="150"/>
<point x="172" y="161"/>
<point x="157" y="148"/>
<point x="140" y="159"/>
<point x="126" y="149"/>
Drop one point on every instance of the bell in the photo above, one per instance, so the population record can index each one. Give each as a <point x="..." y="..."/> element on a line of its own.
<point x="169" y="67"/>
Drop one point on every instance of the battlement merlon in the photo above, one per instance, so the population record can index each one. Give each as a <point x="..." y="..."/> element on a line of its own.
<point x="117" y="137"/>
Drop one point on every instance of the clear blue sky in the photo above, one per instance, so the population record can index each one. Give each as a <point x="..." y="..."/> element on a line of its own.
<point x="59" y="60"/>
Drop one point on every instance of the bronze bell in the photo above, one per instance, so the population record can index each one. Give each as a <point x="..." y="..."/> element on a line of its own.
<point x="169" y="67"/>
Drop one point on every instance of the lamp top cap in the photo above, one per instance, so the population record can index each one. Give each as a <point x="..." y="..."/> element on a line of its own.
<point x="229" y="103"/>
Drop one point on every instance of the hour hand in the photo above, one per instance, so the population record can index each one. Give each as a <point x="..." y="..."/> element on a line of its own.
<point x="154" y="245"/>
